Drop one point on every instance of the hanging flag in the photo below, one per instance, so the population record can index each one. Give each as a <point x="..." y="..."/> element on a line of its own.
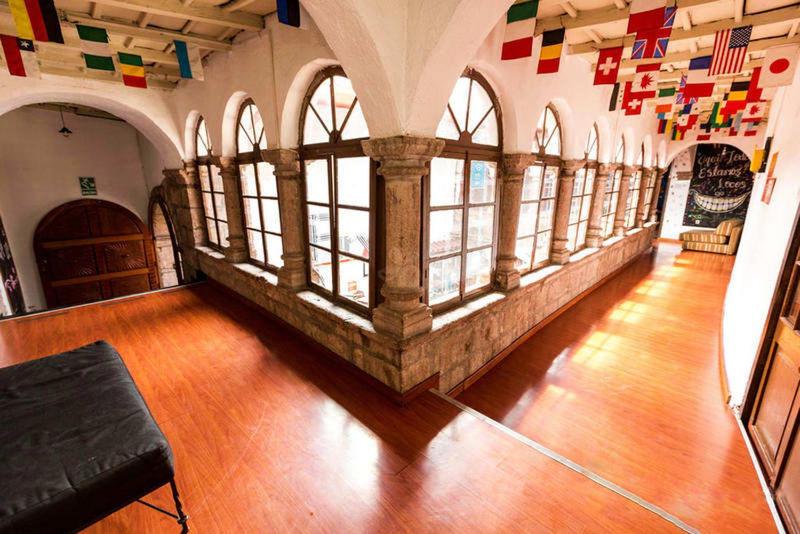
<point x="653" y="43"/>
<point x="679" y="98"/>
<point x="616" y="98"/>
<point x="646" y="77"/>
<point x="662" y="110"/>
<point x="36" y="20"/>
<point x="645" y="15"/>
<point x="699" y="83"/>
<point x="779" y="65"/>
<point x="550" y="54"/>
<point x="20" y="56"/>
<point x="754" y="112"/>
<point x="520" y="23"/>
<point x="662" y="125"/>
<point x="633" y="100"/>
<point x="730" y="49"/>
<point x="754" y="92"/>
<point x="755" y="161"/>
<point x="189" y="62"/>
<point x="132" y="69"/>
<point x="288" y="13"/>
<point x="736" y="99"/>
<point x="667" y="92"/>
<point x="608" y="66"/>
<point x="96" y="51"/>
<point x="703" y="137"/>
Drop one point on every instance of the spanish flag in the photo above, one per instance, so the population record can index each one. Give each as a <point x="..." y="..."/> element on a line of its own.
<point x="550" y="54"/>
<point x="132" y="70"/>
<point x="36" y="20"/>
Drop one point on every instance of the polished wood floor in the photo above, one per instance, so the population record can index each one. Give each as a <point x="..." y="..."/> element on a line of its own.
<point x="270" y="436"/>
<point x="627" y="384"/>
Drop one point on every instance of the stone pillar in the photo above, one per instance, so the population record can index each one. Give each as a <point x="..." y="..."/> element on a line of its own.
<point x="236" y="252"/>
<point x="506" y="275"/>
<point x="641" y="216"/>
<point x="594" y="232"/>
<point x="559" y="253"/>
<point x="403" y="162"/>
<point x="182" y="188"/>
<point x="290" y="199"/>
<point x="624" y="189"/>
<point x="653" y="215"/>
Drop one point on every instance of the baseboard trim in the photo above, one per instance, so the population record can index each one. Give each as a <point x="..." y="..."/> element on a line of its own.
<point x="499" y="357"/>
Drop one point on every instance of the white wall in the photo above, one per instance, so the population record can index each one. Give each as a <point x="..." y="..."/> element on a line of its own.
<point x="765" y="237"/>
<point x="41" y="170"/>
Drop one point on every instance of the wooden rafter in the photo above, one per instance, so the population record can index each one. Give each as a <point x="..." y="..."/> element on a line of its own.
<point x="199" y="13"/>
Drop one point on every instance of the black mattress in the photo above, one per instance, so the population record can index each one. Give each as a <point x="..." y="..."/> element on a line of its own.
<point x="77" y="441"/>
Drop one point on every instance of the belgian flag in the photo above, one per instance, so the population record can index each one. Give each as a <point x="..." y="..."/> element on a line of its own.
<point x="36" y="20"/>
<point x="550" y="54"/>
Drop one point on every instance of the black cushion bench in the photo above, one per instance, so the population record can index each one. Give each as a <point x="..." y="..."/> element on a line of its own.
<point x="77" y="443"/>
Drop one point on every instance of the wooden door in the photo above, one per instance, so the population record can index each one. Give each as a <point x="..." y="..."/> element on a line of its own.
<point x="90" y="250"/>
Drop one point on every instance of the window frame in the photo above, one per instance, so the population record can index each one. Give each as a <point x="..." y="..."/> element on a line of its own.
<point x="211" y="164"/>
<point x="611" y="193"/>
<point x="332" y="151"/>
<point x="467" y="151"/>
<point x="253" y="157"/>
<point x="589" y="169"/>
<point x="634" y="191"/>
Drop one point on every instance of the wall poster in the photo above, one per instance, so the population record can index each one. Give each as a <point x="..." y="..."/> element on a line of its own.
<point x="720" y="187"/>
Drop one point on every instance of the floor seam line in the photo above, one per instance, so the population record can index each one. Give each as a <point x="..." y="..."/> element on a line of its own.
<point x="566" y="462"/>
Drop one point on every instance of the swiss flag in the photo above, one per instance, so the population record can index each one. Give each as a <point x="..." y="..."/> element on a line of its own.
<point x="633" y="101"/>
<point x="608" y="66"/>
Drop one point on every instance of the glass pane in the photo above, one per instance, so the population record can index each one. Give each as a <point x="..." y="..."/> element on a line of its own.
<point x="581" y="241"/>
<point x="574" y="210"/>
<point x="481" y="227"/>
<point x="212" y="231"/>
<point x="258" y="128"/>
<point x="585" y="207"/>
<point x="272" y="215"/>
<point x="354" y="280"/>
<point x="444" y="277"/>
<point x="244" y="143"/>
<point x="246" y="126"/>
<point x="275" y="250"/>
<point x="486" y="134"/>
<point x="356" y="127"/>
<point x="532" y="184"/>
<point x="354" y="232"/>
<point x="546" y="214"/>
<point x="216" y="179"/>
<point x="550" y="182"/>
<point x="589" y="185"/>
<point x="202" y="141"/>
<point x="208" y="204"/>
<point x="223" y="234"/>
<point x="317" y="180"/>
<point x="445" y="232"/>
<point x="247" y="176"/>
<point x="205" y="183"/>
<point x="313" y="131"/>
<point x="458" y="101"/>
<point x="266" y="180"/>
<point x="524" y="253"/>
<point x="321" y="101"/>
<point x="219" y="203"/>
<point x="321" y="272"/>
<point x="343" y="95"/>
<point x="527" y="219"/>
<point x="542" y="248"/>
<point x="482" y="181"/>
<point x="447" y="181"/>
<point x="572" y="235"/>
<point x="319" y="226"/>
<point x="353" y="181"/>
<point x="591" y="145"/>
<point x="479" y="104"/>
<point x="252" y="217"/>
<point x="479" y="269"/>
<point x="255" y="245"/>
<point x="580" y="179"/>
<point x="447" y="129"/>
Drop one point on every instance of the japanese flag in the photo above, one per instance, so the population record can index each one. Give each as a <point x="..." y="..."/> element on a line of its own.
<point x="780" y="63"/>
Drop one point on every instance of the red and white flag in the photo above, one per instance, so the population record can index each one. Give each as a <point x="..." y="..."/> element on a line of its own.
<point x="646" y="77"/>
<point x="608" y="66"/>
<point x="730" y="49"/>
<point x="633" y="101"/>
<point x="646" y="15"/>
<point x="20" y="56"/>
<point x="779" y="65"/>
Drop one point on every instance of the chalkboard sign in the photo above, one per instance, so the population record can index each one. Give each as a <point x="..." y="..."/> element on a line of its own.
<point x="720" y="187"/>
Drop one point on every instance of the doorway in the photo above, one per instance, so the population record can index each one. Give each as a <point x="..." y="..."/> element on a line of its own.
<point x="168" y="255"/>
<point x="91" y="250"/>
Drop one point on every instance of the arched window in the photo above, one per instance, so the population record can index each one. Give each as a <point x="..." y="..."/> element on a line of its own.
<point x="648" y="194"/>
<point x="539" y="189"/>
<point x="611" y="196"/>
<point x="461" y="196"/>
<point x="259" y="190"/>
<point x="211" y="189"/>
<point x="340" y="192"/>
<point x="633" y="191"/>
<point x="582" y="195"/>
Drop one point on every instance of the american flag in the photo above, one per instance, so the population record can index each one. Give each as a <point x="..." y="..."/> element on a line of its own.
<point x="730" y="48"/>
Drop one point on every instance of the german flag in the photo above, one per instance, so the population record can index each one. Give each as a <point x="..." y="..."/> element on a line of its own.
<point x="550" y="55"/>
<point x="132" y="70"/>
<point x="36" y="20"/>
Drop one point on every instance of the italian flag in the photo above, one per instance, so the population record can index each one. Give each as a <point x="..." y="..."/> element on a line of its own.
<point x="520" y="23"/>
<point x="96" y="51"/>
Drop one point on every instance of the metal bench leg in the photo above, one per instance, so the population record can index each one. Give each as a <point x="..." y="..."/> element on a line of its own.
<point x="182" y="517"/>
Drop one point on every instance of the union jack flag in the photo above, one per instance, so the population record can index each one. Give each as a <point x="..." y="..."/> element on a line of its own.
<point x="653" y="43"/>
<point x="679" y="95"/>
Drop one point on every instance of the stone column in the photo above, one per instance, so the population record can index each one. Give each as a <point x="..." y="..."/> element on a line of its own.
<point x="290" y="199"/>
<point x="506" y="275"/>
<point x="624" y="189"/>
<point x="236" y="251"/>
<point x="403" y="162"/>
<point x="559" y="253"/>
<point x="653" y="215"/>
<point x="641" y="216"/>
<point x="594" y="232"/>
<point x="183" y="195"/>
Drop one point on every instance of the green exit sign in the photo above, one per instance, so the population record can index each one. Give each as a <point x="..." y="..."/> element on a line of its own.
<point x="88" y="187"/>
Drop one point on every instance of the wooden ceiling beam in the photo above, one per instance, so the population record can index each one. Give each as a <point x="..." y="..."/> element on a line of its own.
<point x="199" y="13"/>
<point x="236" y="5"/>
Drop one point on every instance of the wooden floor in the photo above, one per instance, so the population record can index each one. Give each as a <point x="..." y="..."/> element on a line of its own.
<point x="627" y="384"/>
<point x="269" y="436"/>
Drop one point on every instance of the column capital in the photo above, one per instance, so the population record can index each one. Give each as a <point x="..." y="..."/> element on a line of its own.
<point x="661" y="170"/>
<point x="514" y="165"/>
<point x="403" y="157"/>
<point x="605" y="169"/>
<point x="281" y="156"/>
<point x="628" y="170"/>
<point x="175" y="176"/>
<point x="570" y="166"/>
<point x="227" y="167"/>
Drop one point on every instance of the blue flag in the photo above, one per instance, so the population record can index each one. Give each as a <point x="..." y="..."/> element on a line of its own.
<point x="289" y="12"/>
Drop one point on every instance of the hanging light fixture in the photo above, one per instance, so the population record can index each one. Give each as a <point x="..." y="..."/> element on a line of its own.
<point x="66" y="132"/>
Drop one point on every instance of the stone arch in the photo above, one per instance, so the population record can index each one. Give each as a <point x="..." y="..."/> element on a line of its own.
<point x="507" y="110"/>
<point x="661" y="154"/>
<point x="189" y="140"/>
<point x="631" y="146"/>
<point x="744" y="144"/>
<point x="647" y="143"/>
<point x="571" y="148"/>
<point x="605" y="140"/>
<point x="293" y="101"/>
<point x="230" y="119"/>
<point x="162" y="229"/>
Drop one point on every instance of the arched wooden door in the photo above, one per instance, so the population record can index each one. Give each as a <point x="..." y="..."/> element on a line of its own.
<point x="90" y="250"/>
